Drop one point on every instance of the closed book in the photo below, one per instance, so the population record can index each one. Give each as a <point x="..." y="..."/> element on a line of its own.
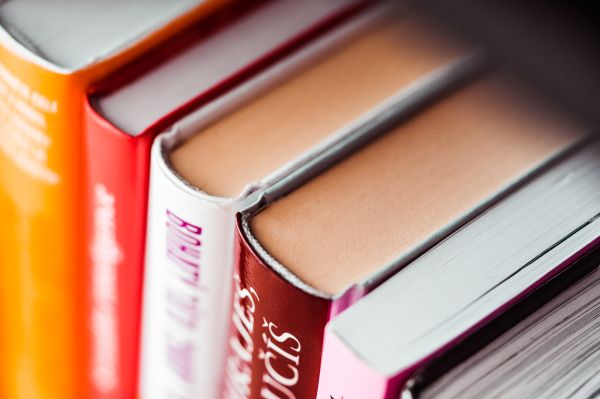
<point x="49" y="53"/>
<point x="213" y="162"/>
<point x="307" y="253"/>
<point x="438" y="300"/>
<point x="123" y="114"/>
<point x="545" y="346"/>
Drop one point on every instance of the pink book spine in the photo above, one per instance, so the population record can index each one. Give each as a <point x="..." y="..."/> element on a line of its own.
<point x="345" y="376"/>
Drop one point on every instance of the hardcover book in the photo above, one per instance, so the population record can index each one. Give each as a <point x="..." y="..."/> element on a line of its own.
<point x="49" y="52"/>
<point x="308" y="251"/>
<point x="329" y="96"/>
<point x="540" y="229"/>
<point x="123" y="114"/>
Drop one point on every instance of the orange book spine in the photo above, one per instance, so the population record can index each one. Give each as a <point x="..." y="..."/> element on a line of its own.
<point x="41" y="230"/>
<point x="39" y="171"/>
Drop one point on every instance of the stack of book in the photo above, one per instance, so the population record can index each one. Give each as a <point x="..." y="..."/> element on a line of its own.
<point x="285" y="199"/>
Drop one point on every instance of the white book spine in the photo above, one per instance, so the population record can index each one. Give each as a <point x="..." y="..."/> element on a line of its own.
<point x="187" y="280"/>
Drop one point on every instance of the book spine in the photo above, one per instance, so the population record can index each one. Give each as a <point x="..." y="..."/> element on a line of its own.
<point x="117" y="186"/>
<point x="276" y="333"/>
<point x="344" y="375"/>
<point x="186" y="287"/>
<point x="39" y="208"/>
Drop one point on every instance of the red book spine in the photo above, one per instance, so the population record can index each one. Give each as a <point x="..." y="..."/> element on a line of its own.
<point x="276" y="334"/>
<point x="117" y="192"/>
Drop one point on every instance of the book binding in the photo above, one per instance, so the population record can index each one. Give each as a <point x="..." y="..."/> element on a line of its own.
<point x="186" y="288"/>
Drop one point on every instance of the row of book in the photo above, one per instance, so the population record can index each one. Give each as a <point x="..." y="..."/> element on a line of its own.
<point x="285" y="199"/>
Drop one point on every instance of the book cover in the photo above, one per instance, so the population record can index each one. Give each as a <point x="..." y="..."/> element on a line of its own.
<point x="42" y="86"/>
<point x="275" y="350"/>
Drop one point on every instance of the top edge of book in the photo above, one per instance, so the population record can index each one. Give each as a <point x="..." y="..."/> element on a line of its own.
<point x="65" y="36"/>
<point x="414" y="89"/>
<point x="211" y="56"/>
<point x="291" y="265"/>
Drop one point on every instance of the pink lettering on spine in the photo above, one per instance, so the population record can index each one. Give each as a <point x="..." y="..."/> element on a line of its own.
<point x="183" y="250"/>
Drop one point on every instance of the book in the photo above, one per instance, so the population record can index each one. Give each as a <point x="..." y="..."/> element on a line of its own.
<point x="122" y="116"/>
<point x="308" y="252"/>
<point x="49" y="53"/>
<point x="540" y="229"/>
<point x="210" y="164"/>
<point x="544" y="346"/>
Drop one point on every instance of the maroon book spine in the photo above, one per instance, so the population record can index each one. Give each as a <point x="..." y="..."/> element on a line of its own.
<point x="276" y="335"/>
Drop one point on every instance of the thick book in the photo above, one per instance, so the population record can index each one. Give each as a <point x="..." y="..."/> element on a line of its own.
<point x="123" y="114"/>
<point x="539" y="230"/>
<point x="49" y="52"/>
<point x="308" y="252"/>
<point x="213" y="162"/>
<point x="546" y="346"/>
